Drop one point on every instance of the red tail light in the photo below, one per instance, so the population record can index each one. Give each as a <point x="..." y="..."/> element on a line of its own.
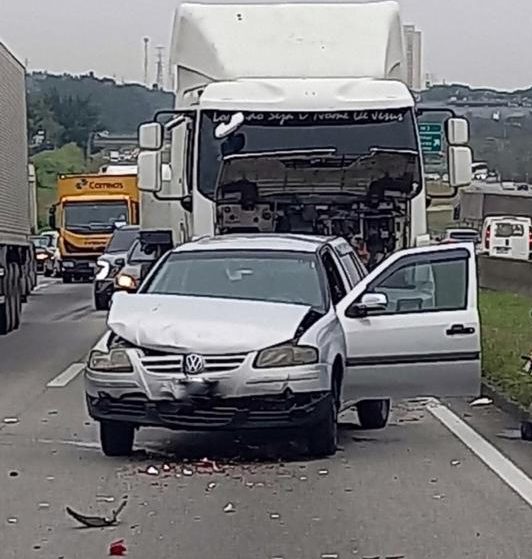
<point x="530" y="240"/>
<point x="487" y="237"/>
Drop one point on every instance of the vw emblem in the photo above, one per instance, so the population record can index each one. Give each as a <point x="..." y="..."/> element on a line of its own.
<point x="194" y="363"/>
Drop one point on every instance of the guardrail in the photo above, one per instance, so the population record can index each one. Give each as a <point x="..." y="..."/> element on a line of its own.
<point x="503" y="274"/>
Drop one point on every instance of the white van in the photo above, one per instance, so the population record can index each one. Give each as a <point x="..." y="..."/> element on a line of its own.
<point x="508" y="237"/>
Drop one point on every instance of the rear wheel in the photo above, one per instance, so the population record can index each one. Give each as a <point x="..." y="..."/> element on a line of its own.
<point x="17" y="297"/>
<point x="5" y="317"/>
<point x="117" y="438"/>
<point x="67" y="277"/>
<point x="101" y="302"/>
<point x="373" y="414"/>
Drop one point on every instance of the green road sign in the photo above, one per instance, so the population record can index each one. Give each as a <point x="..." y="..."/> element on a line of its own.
<point x="431" y="134"/>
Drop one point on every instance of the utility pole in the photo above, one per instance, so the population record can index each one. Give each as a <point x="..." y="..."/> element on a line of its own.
<point x="147" y="61"/>
<point x="160" y="68"/>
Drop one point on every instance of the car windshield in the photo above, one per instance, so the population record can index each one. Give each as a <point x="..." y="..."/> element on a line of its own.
<point x="42" y="242"/>
<point x="122" y="240"/>
<point x="94" y="217"/>
<point x="345" y="136"/>
<point x="278" y="277"/>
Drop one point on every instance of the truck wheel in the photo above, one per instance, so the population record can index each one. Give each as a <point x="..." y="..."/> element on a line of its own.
<point x="373" y="414"/>
<point x="526" y="431"/>
<point x="116" y="438"/>
<point x="5" y="318"/>
<point x="47" y="273"/>
<point x="17" y="297"/>
<point x="67" y="277"/>
<point x="323" y="437"/>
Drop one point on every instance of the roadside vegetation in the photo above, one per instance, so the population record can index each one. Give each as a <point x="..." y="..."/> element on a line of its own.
<point x="506" y="336"/>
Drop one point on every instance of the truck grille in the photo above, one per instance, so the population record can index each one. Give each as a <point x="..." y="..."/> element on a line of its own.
<point x="171" y="364"/>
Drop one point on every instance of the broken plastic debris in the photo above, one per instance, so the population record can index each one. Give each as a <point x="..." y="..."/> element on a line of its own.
<point x="455" y="462"/>
<point x="229" y="508"/>
<point x="12" y="520"/>
<point x="117" y="549"/>
<point x="324" y="472"/>
<point x="13" y="473"/>
<point x="166" y="468"/>
<point x="187" y="471"/>
<point x="481" y="402"/>
<point x="105" y="499"/>
<point x="50" y="478"/>
<point x="438" y="496"/>
<point x="11" y="420"/>
<point x="152" y="471"/>
<point x="97" y="521"/>
<point x="211" y="486"/>
<point x="44" y="506"/>
<point x="303" y="478"/>
<point x="53" y="412"/>
<point x="329" y="556"/>
<point x="275" y="515"/>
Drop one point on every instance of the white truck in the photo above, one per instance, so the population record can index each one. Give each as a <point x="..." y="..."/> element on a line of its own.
<point x="17" y="195"/>
<point x="292" y="118"/>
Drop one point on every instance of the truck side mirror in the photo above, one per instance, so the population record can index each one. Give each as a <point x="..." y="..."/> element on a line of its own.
<point x="150" y="171"/>
<point x="151" y="136"/>
<point x="457" y="131"/>
<point x="460" y="166"/>
<point x="186" y="203"/>
<point x="52" y="222"/>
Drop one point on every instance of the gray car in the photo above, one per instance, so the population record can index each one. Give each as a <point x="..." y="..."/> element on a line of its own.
<point x="269" y="331"/>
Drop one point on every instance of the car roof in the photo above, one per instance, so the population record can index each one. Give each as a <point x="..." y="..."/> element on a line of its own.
<point x="268" y="241"/>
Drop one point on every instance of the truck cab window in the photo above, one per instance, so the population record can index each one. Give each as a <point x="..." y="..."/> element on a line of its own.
<point x="334" y="278"/>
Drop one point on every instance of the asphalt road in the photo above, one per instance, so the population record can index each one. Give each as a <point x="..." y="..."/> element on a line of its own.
<point x="416" y="490"/>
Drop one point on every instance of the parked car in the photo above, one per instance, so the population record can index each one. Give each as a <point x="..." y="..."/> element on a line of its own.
<point x="271" y="331"/>
<point x="110" y="263"/>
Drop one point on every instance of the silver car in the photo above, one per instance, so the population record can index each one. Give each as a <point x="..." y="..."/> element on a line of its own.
<point x="268" y="331"/>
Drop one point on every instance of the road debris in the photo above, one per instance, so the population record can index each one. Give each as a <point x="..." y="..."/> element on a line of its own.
<point x="275" y="515"/>
<point x="97" y="521"/>
<point x="117" y="549"/>
<point x="10" y="420"/>
<point x="323" y="472"/>
<point x="455" y="463"/>
<point x="481" y="402"/>
<point x="303" y="478"/>
<point x="187" y="471"/>
<point x="13" y="473"/>
<point x="105" y="499"/>
<point x="229" y="508"/>
<point x="166" y="468"/>
<point x="329" y="556"/>
<point x="152" y="471"/>
<point x="12" y="520"/>
<point x="438" y="497"/>
<point x="43" y="506"/>
<point x="210" y="486"/>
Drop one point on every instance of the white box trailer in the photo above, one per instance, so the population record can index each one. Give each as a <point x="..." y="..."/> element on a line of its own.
<point x="17" y="195"/>
<point x="292" y="117"/>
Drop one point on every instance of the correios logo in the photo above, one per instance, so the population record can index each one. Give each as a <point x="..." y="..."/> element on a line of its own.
<point x="105" y="185"/>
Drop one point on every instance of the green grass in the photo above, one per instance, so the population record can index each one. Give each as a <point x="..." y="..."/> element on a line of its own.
<point x="506" y="336"/>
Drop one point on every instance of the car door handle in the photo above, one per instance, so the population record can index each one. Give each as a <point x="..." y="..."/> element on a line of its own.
<point x="460" y="330"/>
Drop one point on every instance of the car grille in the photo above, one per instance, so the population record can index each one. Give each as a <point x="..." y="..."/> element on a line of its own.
<point x="168" y="364"/>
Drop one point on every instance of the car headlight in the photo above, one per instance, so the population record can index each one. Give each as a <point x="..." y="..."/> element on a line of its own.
<point x="116" y="361"/>
<point x="126" y="281"/>
<point x="286" y="355"/>
<point x="104" y="269"/>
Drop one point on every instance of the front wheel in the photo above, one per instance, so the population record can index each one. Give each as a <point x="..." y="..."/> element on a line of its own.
<point x="67" y="277"/>
<point x="373" y="414"/>
<point x="101" y="302"/>
<point x="117" y="438"/>
<point x="323" y="437"/>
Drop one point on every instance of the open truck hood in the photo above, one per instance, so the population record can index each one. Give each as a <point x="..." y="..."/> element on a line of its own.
<point x="204" y="325"/>
<point x="323" y="172"/>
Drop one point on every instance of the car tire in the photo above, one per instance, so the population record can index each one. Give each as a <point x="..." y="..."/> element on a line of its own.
<point x="67" y="277"/>
<point x="323" y="436"/>
<point x="117" y="438"/>
<point x="373" y="414"/>
<point x="101" y="302"/>
<point x="17" y="298"/>
<point x="5" y="316"/>
<point x="526" y="431"/>
<point x="47" y="273"/>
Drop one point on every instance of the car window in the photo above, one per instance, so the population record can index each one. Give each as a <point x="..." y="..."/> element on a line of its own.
<point x="283" y="277"/>
<point x="438" y="283"/>
<point x="137" y="254"/>
<point x="507" y="230"/>
<point x="334" y="278"/>
<point x="122" y="240"/>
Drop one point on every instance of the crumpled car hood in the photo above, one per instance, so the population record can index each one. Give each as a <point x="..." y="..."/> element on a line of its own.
<point x="203" y="325"/>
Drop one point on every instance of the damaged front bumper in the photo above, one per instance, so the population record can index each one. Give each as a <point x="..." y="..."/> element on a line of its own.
<point x="207" y="413"/>
<point x="230" y="394"/>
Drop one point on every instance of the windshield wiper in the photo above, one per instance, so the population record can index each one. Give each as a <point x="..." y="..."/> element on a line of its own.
<point x="400" y="151"/>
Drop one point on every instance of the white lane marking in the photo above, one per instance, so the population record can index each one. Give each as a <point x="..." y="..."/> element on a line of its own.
<point x="70" y="373"/>
<point x="43" y="284"/>
<point x="503" y="467"/>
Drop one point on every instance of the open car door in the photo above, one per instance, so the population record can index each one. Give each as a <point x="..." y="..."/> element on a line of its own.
<point x="412" y="326"/>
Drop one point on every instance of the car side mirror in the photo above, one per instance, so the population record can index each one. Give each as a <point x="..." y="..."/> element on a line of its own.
<point x="150" y="171"/>
<point x="457" y="131"/>
<point x="151" y="136"/>
<point x="460" y="166"/>
<point x="368" y="302"/>
<point x="186" y="203"/>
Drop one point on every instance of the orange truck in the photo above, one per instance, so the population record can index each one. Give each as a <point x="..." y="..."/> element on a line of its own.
<point x="88" y="210"/>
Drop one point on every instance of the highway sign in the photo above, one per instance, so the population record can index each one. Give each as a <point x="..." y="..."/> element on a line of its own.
<point x="431" y="134"/>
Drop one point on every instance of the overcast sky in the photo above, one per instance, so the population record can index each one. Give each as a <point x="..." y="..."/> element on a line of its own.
<point x="480" y="42"/>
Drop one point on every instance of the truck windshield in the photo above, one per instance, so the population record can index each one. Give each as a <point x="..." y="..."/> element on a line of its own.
<point x="346" y="135"/>
<point x="94" y="217"/>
